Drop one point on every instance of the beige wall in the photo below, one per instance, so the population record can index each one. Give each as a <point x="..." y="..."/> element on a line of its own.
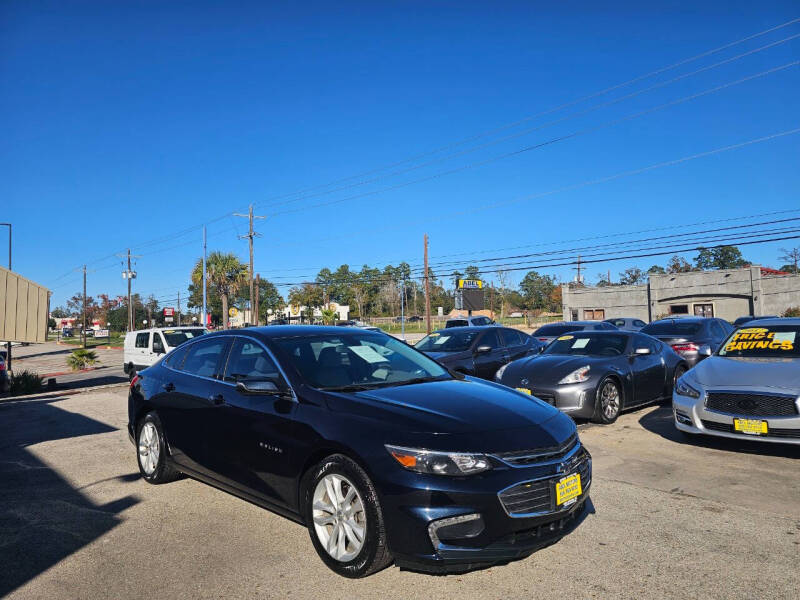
<point x="23" y="309"/>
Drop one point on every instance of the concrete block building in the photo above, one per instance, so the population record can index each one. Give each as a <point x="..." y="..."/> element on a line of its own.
<point x="727" y="294"/>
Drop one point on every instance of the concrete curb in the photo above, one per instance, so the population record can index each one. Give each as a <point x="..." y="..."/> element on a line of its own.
<point x="48" y="394"/>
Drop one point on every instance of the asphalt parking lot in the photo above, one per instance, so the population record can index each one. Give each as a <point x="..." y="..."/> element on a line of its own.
<point x="709" y="520"/>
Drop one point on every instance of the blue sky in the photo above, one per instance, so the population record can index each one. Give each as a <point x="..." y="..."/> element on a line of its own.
<point x="130" y="124"/>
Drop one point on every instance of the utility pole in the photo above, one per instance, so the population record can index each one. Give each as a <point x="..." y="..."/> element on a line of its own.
<point x="179" y="308"/>
<point x="84" y="307"/>
<point x="129" y="274"/>
<point x="578" y="277"/>
<point x="257" y="298"/>
<point x="427" y="289"/>
<point x="250" y="235"/>
<point x="491" y="302"/>
<point x="205" y="318"/>
<point x="402" y="309"/>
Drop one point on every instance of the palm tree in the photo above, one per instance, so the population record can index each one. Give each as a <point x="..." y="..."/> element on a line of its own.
<point x="225" y="273"/>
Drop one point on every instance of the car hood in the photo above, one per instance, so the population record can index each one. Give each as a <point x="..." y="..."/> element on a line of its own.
<point x="547" y="368"/>
<point x="456" y="407"/>
<point x="722" y="371"/>
<point x="444" y="357"/>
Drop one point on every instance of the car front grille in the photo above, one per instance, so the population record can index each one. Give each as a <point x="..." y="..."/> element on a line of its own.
<point x="538" y="497"/>
<point x="780" y="433"/>
<point x="523" y="458"/>
<point x="752" y="405"/>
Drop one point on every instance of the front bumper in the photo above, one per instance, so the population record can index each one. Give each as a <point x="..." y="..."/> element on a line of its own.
<point x="691" y="415"/>
<point x="574" y="399"/>
<point x="412" y="502"/>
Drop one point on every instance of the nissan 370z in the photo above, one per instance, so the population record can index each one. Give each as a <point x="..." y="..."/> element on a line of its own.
<point x="384" y="455"/>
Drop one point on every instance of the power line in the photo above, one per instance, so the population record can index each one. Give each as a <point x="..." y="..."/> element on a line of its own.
<point x="568" y="117"/>
<point x="557" y="108"/>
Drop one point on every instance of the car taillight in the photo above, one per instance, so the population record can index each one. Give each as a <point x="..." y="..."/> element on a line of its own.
<point x="135" y="379"/>
<point x="685" y="348"/>
<point x="2" y="366"/>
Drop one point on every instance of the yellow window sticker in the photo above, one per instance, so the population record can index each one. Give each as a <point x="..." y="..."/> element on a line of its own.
<point x="565" y="337"/>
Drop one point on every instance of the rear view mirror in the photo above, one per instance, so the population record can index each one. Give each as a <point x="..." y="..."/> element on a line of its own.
<point x="704" y="350"/>
<point x="483" y="349"/>
<point x="257" y="387"/>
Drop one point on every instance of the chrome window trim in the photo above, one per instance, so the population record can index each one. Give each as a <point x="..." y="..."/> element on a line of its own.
<point x="233" y="336"/>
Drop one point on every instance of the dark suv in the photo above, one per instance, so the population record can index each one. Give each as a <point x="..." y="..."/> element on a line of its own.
<point x="694" y="338"/>
<point x="380" y="451"/>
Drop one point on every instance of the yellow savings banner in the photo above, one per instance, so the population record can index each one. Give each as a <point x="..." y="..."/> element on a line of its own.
<point x="757" y="338"/>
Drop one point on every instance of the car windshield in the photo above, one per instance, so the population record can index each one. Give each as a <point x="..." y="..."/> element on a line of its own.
<point x="357" y="361"/>
<point x="588" y="344"/>
<point x="764" y="341"/>
<point x="447" y="341"/>
<point x="175" y="337"/>
<point x="554" y="330"/>
<point x="676" y="328"/>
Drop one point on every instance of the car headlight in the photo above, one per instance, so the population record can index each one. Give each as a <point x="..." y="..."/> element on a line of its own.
<point x="684" y="389"/>
<point x="499" y="375"/>
<point x="439" y="463"/>
<point x="577" y="376"/>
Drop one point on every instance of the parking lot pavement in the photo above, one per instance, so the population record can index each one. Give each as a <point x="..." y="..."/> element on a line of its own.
<point x="676" y="520"/>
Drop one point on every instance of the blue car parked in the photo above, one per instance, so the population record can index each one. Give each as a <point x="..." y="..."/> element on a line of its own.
<point x="385" y="455"/>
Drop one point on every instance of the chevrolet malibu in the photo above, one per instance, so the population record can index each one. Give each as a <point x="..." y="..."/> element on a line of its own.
<point x="382" y="453"/>
<point x="749" y="389"/>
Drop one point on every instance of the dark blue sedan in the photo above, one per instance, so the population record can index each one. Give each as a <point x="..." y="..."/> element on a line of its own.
<point x="385" y="455"/>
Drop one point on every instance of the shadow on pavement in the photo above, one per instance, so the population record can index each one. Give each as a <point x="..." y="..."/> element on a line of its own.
<point x="661" y="422"/>
<point x="43" y="518"/>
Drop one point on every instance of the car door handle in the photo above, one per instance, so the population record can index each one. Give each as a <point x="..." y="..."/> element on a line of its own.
<point x="169" y="387"/>
<point x="216" y="399"/>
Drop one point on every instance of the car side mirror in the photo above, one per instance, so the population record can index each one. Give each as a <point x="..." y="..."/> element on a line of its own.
<point x="258" y="387"/>
<point x="483" y="349"/>
<point x="704" y="350"/>
<point x="641" y="351"/>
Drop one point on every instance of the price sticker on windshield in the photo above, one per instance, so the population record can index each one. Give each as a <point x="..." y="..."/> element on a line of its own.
<point x="565" y="337"/>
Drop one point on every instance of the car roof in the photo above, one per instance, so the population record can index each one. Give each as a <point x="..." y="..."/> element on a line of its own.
<point x="280" y="331"/>
<point x="775" y="321"/>
<point x="471" y="329"/>
<point x="687" y="319"/>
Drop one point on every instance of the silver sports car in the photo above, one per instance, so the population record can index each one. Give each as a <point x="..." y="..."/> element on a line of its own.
<point x="750" y="388"/>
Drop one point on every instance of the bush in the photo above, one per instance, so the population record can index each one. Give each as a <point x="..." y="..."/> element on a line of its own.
<point x="25" y="382"/>
<point x="80" y="359"/>
<point x="793" y="311"/>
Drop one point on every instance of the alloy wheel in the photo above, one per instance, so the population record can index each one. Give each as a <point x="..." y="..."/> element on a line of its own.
<point x="609" y="400"/>
<point x="149" y="448"/>
<point x="340" y="521"/>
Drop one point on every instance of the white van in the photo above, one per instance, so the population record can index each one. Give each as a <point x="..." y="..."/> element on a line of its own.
<point x="144" y="347"/>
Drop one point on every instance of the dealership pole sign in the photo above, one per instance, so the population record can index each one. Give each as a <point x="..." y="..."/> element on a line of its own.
<point x="469" y="295"/>
<point x="169" y="314"/>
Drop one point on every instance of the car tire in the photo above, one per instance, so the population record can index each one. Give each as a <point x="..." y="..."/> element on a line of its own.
<point x="608" y="401"/>
<point x="151" y="451"/>
<point x="335" y="523"/>
<point x="131" y="371"/>
<point x="679" y="372"/>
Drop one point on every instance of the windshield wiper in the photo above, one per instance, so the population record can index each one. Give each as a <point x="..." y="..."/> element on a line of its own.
<point x="353" y="387"/>
<point x="416" y="380"/>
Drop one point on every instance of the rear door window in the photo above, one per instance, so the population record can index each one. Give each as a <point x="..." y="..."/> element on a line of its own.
<point x="142" y="340"/>
<point x="203" y="358"/>
<point x="249" y="361"/>
<point x="490" y="339"/>
<point x="511" y="337"/>
<point x="456" y="323"/>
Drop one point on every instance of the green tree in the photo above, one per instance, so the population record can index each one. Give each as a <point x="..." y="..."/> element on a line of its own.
<point x="537" y="290"/>
<point x="602" y="280"/>
<point x="678" y="264"/>
<point x="472" y="272"/>
<point x="792" y="258"/>
<point x="632" y="276"/>
<point x="308" y="295"/>
<point x="656" y="269"/>
<point x="225" y="274"/>
<point x="723" y="257"/>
